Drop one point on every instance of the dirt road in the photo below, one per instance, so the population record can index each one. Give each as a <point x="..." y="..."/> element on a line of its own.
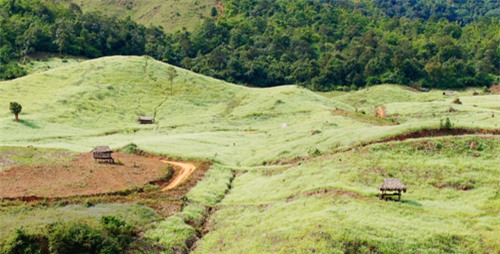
<point x="186" y="170"/>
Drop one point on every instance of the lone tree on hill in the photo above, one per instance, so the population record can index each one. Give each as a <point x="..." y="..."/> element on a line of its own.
<point x="16" y="108"/>
<point x="172" y="73"/>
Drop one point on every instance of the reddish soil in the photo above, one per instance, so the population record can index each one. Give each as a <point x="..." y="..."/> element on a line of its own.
<point x="220" y="8"/>
<point x="186" y="170"/>
<point x="435" y="133"/>
<point x="82" y="176"/>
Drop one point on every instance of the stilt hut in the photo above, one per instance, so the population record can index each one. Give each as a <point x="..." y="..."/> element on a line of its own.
<point x="145" y="119"/>
<point x="392" y="187"/>
<point x="102" y="154"/>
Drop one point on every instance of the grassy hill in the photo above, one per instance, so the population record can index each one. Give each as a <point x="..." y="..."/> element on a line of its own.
<point x="172" y="15"/>
<point x="302" y="182"/>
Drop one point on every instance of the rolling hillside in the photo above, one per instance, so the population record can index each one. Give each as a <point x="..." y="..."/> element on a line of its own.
<point x="170" y="14"/>
<point x="293" y="171"/>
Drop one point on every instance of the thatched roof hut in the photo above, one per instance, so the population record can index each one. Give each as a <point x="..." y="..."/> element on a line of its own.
<point x="102" y="154"/>
<point x="392" y="184"/>
<point x="102" y="149"/>
<point x="145" y="119"/>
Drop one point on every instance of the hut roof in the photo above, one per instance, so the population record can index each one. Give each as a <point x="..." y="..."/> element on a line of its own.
<point x="392" y="184"/>
<point x="102" y="149"/>
<point x="145" y="118"/>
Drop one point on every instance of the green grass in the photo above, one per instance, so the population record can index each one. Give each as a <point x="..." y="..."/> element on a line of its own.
<point x="172" y="15"/>
<point x="271" y="207"/>
<point x="177" y="231"/>
<point x="96" y="102"/>
<point x="284" y="212"/>
<point x="20" y="156"/>
<point x="44" y="62"/>
<point x="36" y="218"/>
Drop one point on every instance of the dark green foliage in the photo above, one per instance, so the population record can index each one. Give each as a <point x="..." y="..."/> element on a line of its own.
<point x="76" y="237"/>
<point x="446" y="124"/>
<point x="25" y="243"/>
<point x="11" y="70"/>
<point x="130" y="148"/>
<point x="327" y="44"/>
<point x="118" y="229"/>
<point x="113" y="235"/>
<point x="15" y="108"/>
<point x="460" y="11"/>
<point x="319" y="44"/>
<point x="30" y="26"/>
<point x="213" y="12"/>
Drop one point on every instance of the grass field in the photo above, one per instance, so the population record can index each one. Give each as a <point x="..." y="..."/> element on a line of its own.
<point x="329" y="204"/>
<point x="285" y="178"/>
<point x="172" y="15"/>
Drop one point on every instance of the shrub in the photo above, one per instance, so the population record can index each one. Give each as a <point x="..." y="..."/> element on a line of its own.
<point x="74" y="237"/>
<point x="130" y="148"/>
<point x="457" y="101"/>
<point x="118" y="228"/>
<point x="446" y="124"/>
<point x="314" y="152"/>
<point x="485" y="90"/>
<point x="22" y="242"/>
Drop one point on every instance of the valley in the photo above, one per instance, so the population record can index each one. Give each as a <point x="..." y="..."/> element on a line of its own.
<point x="280" y="169"/>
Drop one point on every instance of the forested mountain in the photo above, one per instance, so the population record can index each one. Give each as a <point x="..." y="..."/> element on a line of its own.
<point x="462" y="11"/>
<point x="29" y="26"/>
<point x="330" y="44"/>
<point x="321" y="44"/>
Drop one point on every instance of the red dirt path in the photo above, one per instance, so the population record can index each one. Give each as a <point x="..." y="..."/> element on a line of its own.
<point x="186" y="170"/>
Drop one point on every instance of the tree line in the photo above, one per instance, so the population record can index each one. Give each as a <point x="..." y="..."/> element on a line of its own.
<point x="327" y="45"/>
<point x="320" y="44"/>
<point x="30" y="26"/>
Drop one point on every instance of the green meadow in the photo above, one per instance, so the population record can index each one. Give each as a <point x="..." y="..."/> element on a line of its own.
<point x="290" y="172"/>
<point x="172" y="15"/>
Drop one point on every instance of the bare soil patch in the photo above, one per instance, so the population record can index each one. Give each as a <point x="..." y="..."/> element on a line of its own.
<point x="186" y="169"/>
<point x="80" y="177"/>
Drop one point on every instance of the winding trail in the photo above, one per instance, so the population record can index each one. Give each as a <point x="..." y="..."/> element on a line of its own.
<point x="186" y="170"/>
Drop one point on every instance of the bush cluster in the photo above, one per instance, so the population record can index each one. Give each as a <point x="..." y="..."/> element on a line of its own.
<point x="112" y="235"/>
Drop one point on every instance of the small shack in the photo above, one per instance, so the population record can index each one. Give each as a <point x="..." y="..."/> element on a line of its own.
<point x="145" y="119"/>
<point x="102" y="154"/>
<point x="392" y="187"/>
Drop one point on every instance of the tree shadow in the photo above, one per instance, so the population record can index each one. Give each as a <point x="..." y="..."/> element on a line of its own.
<point x="29" y="124"/>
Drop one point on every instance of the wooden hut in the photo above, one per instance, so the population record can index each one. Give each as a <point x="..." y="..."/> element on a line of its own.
<point x="145" y="119"/>
<point x="392" y="187"/>
<point x="102" y="154"/>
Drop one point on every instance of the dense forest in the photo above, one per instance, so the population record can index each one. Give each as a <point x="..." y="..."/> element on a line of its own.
<point x="30" y="26"/>
<point x="322" y="44"/>
<point x="328" y="45"/>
